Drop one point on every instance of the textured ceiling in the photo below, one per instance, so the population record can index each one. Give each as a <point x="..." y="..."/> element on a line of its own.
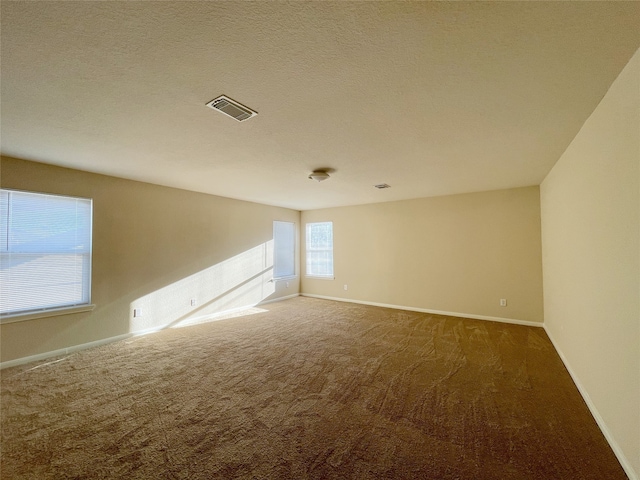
<point x="432" y="98"/>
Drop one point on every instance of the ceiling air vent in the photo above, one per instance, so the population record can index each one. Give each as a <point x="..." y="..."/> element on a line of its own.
<point x="382" y="185"/>
<point x="231" y="108"/>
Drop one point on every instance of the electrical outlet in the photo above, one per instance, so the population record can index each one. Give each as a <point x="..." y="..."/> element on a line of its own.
<point x="137" y="312"/>
<point x="346" y="288"/>
<point x="193" y="302"/>
<point x="286" y="284"/>
<point x="503" y="302"/>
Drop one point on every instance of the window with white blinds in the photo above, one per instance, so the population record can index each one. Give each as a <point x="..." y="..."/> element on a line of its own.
<point x="45" y="252"/>
<point x="319" y="251"/>
<point x="284" y="249"/>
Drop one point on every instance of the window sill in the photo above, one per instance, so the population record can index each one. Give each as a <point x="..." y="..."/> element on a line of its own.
<point x="283" y="279"/>
<point x="319" y="277"/>
<point x="53" y="312"/>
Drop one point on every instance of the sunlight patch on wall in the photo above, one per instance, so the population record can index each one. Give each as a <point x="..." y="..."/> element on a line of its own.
<point x="240" y="281"/>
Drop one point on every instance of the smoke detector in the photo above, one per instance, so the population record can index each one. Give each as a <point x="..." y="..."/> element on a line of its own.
<point x="318" y="175"/>
<point x="231" y="108"/>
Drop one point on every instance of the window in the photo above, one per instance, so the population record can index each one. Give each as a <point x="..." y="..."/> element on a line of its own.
<point x="284" y="249"/>
<point x="45" y="252"/>
<point x="320" y="249"/>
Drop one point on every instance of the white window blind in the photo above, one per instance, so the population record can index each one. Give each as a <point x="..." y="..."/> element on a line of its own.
<point x="319" y="240"/>
<point x="284" y="249"/>
<point x="45" y="251"/>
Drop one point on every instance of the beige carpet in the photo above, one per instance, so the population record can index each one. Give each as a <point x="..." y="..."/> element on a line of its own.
<point x="310" y="389"/>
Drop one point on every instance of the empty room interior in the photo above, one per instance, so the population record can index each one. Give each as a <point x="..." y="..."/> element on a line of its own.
<point x="320" y="240"/>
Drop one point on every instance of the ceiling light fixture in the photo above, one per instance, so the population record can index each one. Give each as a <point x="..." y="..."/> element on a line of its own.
<point x="318" y="175"/>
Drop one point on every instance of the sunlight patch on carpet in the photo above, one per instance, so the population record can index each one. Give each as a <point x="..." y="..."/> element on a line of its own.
<point x="223" y="316"/>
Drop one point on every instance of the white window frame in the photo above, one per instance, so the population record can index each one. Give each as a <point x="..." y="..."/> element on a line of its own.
<point x="309" y="248"/>
<point x="277" y="260"/>
<point x="9" y="252"/>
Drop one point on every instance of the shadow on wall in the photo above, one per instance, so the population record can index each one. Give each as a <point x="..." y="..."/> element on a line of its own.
<point x="239" y="282"/>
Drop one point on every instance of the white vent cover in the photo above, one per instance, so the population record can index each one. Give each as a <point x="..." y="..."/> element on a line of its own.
<point x="231" y="108"/>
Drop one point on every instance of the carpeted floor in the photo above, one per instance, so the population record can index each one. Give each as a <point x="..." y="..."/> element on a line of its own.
<point x="309" y="389"/>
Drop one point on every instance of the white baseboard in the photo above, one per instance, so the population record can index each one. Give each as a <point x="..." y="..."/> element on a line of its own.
<point x="104" y="341"/>
<point x="76" y="348"/>
<point x="585" y="395"/>
<point x="427" y="310"/>
<point x="65" y="351"/>
<point x="631" y="473"/>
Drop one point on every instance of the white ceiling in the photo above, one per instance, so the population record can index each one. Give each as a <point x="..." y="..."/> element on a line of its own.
<point x="433" y="98"/>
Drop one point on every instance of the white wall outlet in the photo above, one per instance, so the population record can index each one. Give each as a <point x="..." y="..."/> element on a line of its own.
<point x="137" y="312"/>
<point x="346" y="288"/>
<point x="286" y="284"/>
<point x="193" y="302"/>
<point x="503" y="302"/>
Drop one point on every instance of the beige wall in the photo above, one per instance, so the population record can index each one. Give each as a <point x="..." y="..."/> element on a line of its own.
<point x="459" y="253"/>
<point x="590" y="207"/>
<point x="154" y="248"/>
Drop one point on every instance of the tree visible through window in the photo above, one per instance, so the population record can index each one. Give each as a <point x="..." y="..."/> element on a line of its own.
<point x="319" y="240"/>
<point x="45" y="251"/>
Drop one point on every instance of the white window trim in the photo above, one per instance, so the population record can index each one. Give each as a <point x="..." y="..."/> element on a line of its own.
<point x="316" y="276"/>
<point x="64" y="309"/>
<point x="50" y="312"/>
<point x="288" y="277"/>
